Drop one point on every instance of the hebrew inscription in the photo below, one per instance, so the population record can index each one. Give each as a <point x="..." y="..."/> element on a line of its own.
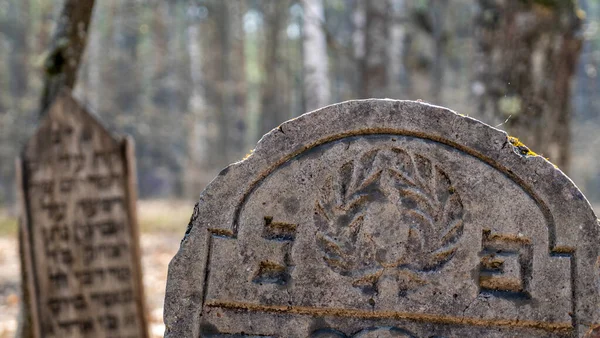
<point x="384" y="218"/>
<point x="84" y="260"/>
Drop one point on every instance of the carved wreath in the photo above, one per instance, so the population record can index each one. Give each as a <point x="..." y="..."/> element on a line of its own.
<point x="429" y="206"/>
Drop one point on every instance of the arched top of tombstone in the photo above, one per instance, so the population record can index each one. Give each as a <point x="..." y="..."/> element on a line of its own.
<point x="66" y="119"/>
<point x="376" y="215"/>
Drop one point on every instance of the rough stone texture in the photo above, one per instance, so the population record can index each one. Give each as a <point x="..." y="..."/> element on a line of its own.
<point x="382" y="218"/>
<point x="78" y="232"/>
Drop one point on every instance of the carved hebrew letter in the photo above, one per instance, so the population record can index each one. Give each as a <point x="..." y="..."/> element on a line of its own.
<point x="506" y="263"/>
<point x="271" y="272"/>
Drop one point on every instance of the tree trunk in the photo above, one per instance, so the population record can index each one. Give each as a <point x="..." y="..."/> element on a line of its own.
<point x="236" y="83"/>
<point x="126" y="40"/>
<point x="397" y="76"/>
<point x="527" y="56"/>
<point x="101" y="61"/>
<point x="66" y="49"/>
<point x="166" y="52"/>
<point x="359" y="40"/>
<point x="19" y="55"/>
<point x="316" y="77"/>
<point x="93" y="92"/>
<point x="160" y="39"/>
<point x="273" y="111"/>
<point x="199" y="139"/>
<point x="371" y="47"/>
<point x="222" y="84"/>
<point x="438" y="9"/>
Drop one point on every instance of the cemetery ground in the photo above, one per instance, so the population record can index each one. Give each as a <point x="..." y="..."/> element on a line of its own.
<point x="162" y="223"/>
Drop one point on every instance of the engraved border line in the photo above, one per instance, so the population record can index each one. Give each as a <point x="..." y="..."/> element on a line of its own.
<point x="366" y="314"/>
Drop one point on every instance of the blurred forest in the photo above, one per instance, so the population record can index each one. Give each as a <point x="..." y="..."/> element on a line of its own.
<point x="197" y="82"/>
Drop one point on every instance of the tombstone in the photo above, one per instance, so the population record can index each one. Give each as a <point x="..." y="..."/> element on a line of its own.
<point x="383" y="218"/>
<point x="79" y="232"/>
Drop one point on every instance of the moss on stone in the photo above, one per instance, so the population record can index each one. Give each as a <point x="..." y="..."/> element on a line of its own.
<point x="521" y="147"/>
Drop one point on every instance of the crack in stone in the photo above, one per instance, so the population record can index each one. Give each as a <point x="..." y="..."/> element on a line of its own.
<point x="468" y="306"/>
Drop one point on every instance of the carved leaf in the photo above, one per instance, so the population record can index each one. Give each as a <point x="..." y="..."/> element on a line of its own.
<point x="339" y="215"/>
<point x="335" y="255"/>
<point x="408" y="280"/>
<point x="434" y="210"/>
<point x="366" y="173"/>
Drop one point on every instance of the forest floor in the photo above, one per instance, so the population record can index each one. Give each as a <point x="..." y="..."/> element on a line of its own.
<point x="163" y="224"/>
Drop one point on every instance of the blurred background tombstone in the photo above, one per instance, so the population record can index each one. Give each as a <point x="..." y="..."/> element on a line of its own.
<point x="78" y="228"/>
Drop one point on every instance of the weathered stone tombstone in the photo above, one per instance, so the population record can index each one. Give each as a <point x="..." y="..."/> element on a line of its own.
<point x="78" y="230"/>
<point x="382" y="218"/>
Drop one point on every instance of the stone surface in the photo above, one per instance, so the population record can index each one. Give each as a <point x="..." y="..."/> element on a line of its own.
<point x="382" y="218"/>
<point x="78" y="230"/>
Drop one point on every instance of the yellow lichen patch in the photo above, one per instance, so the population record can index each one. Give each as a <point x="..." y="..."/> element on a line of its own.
<point x="521" y="147"/>
<point x="524" y="150"/>
<point x="248" y="154"/>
